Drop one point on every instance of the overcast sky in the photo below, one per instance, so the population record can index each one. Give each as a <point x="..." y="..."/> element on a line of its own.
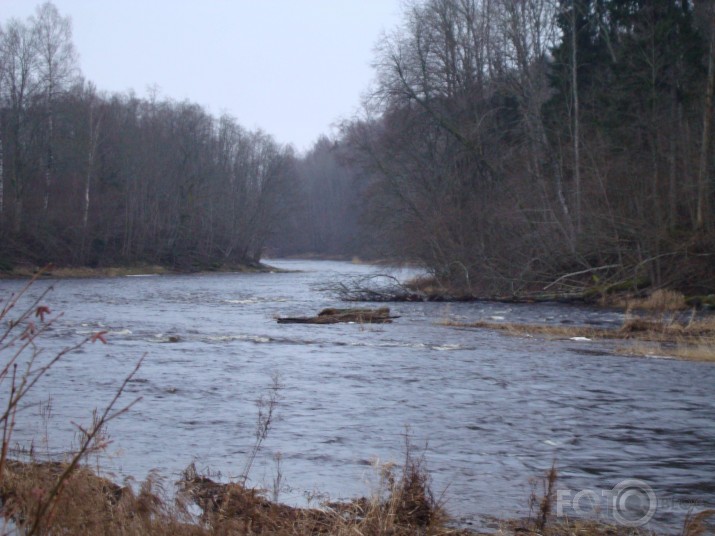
<point x="290" y="67"/>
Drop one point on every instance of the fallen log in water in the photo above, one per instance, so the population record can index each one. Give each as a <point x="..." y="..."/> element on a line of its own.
<point x="335" y="316"/>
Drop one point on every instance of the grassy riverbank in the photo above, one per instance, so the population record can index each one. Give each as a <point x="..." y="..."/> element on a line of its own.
<point x="403" y="505"/>
<point x="693" y="341"/>
<point x="651" y="330"/>
<point x="79" y="272"/>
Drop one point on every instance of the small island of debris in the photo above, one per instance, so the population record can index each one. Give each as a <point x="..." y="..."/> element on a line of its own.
<point x="335" y="316"/>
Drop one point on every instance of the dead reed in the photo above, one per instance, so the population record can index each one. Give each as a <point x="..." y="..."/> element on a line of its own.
<point x="693" y="339"/>
<point x="696" y="524"/>
<point x="402" y="504"/>
<point x="658" y="301"/>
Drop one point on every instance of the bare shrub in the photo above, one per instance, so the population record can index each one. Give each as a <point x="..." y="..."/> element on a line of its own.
<point x="22" y="365"/>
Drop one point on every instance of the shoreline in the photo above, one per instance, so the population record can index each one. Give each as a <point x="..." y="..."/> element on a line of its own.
<point x="403" y="505"/>
<point x="644" y="337"/>
<point x="85" y="272"/>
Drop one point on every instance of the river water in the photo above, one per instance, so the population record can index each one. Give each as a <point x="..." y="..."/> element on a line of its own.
<point x="489" y="411"/>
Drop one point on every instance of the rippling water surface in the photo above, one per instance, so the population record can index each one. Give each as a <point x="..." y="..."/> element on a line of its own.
<point x="493" y="410"/>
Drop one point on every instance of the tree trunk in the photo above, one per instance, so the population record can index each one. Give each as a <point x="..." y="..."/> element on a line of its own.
<point x="673" y="166"/>
<point x="576" y="123"/>
<point x="18" y="214"/>
<point x="17" y="179"/>
<point x="49" y="164"/>
<point x="92" y="150"/>
<point x="702" y="216"/>
<point x="2" y="182"/>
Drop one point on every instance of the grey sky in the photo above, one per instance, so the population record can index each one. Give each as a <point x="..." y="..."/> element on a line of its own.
<point x="290" y="67"/>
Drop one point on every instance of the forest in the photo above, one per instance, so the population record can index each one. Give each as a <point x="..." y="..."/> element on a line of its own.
<point x="504" y="146"/>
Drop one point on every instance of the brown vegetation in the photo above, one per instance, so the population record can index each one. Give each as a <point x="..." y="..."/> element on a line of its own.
<point x="402" y="505"/>
<point x="660" y="300"/>
<point x="80" y="272"/>
<point x="90" y="504"/>
<point x="693" y="340"/>
<point x="77" y="272"/>
<point x="87" y="504"/>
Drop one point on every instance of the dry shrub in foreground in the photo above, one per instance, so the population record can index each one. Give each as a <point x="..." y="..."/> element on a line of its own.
<point x="88" y="504"/>
<point x="697" y="524"/>
<point x="402" y="505"/>
<point x="542" y="522"/>
<point x="571" y="527"/>
<point x="232" y="508"/>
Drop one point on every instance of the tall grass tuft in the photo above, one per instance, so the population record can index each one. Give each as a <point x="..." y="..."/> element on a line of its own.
<point x="541" y="505"/>
<point x="697" y="524"/>
<point x="659" y="301"/>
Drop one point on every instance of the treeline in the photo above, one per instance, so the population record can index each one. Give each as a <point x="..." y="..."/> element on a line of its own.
<point x="325" y="213"/>
<point x="507" y="144"/>
<point x="504" y="145"/>
<point x="88" y="178"/>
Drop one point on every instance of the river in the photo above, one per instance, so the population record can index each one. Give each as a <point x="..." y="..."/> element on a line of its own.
<point x="489" y="411"/>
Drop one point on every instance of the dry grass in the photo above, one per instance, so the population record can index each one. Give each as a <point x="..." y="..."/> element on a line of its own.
<point x="533" y="329"/>
<point x="570" y="527"/>
<point x="543" y="522"/>
<point x="89" y="504"/>
<point x="697" y="524"/>
<point x="402" y="505"/>
<point x="692" y="340"/>
<point x="659" y="301"/>
<point x="79" y="272"/>
<point x="685" y="351"/>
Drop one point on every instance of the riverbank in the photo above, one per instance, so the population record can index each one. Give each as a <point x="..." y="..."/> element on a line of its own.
<point x="658" y="323"/>
<point x="81" y="272"/>
<point x="627" y="295"/>
<point x="76" y="500"/>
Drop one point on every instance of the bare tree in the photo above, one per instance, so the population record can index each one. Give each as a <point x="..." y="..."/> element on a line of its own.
<point x="702" y="216"/>
<point x="94" y="124"/>
<point x="57" y="65"/>
<point x="2" y="105"/>
<point x="20" y="84"/>
<point x="576" y="118"/>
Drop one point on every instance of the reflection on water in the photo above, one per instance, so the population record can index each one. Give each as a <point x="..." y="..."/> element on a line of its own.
<point x="490" y="410"/>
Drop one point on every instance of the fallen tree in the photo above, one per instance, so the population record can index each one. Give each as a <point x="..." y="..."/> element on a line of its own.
<point x="373" y="288"/>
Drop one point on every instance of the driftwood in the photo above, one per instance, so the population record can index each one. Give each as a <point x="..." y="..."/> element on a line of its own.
<point x="335" y="316"/>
